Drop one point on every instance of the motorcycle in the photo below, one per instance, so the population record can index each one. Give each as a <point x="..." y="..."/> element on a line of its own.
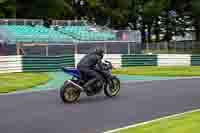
<point x="71" y="90"/>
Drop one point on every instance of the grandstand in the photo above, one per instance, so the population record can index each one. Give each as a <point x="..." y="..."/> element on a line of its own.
<point x="32" y="32"/>
<point x="59" y="34"/>
<point x="86" y="33"/>
<point x="28" y="34"/>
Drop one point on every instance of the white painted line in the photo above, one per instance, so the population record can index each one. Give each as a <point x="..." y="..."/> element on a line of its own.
<point x="148" y="122"/>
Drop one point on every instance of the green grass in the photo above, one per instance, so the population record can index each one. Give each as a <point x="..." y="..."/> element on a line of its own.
<point x="188" y="123"/>
<point x="160" y="71"/>
<point x="21" y="81"/>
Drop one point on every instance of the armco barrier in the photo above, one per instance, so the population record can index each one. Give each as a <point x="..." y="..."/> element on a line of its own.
<point x="49" y="63"/>
<point x="195" y="60"/>
<point x="10" y="64"/>
<point x="174" y="60"/>
<point x="139" y="60"/>
<point x="53" y="63"/>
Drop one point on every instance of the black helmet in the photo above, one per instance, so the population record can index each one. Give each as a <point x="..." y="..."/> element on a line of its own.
<point x="99" y="51"/>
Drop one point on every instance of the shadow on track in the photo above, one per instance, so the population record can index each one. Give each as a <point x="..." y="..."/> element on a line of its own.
<point x="93" y="99"/>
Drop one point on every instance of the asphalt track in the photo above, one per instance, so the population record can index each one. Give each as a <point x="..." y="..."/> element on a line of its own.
<point x="43" y="112"/>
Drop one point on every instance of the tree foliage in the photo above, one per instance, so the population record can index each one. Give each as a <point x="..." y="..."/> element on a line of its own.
<point x="145" y="15"/>
<point x="40" y="8"/>
<point x="7" y="8"/>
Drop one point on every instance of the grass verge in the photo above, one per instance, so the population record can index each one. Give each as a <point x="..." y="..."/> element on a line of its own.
<point x="186" y="123"/>
<point x="20" y="81"/>
<point x="160" y="71"/>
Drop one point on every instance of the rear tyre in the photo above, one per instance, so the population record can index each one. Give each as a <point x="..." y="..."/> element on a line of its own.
<point x="113" y="88"/>
<point x="69" y="94"/>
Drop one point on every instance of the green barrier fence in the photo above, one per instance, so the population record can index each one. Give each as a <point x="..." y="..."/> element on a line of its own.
<point x="195" y="60"/>
<point x="139" y="60"/>
<point x="49" y="63"/>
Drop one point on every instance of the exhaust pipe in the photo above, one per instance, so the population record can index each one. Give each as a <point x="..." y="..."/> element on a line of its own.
<point x="76" y="85"/>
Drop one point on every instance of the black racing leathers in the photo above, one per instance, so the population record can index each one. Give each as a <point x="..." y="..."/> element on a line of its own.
<point x="87" y="67"/>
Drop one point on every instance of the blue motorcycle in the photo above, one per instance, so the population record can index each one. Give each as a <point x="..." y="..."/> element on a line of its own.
<point x="71" y="90"/>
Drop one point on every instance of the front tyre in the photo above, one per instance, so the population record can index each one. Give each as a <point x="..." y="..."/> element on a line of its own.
<point x="113" y="88"/>
<point x="69" y="94"/>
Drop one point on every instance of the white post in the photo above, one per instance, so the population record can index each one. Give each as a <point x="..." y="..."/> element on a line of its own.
<point x="147" y="47"/>
<point x="18" y="48"/>
<point x="129" y="48"/>
<point x="47" y="50"/>
<point x="76" y="48"/>
<point x="105" y="48"/>
<point x="76" y="53"/>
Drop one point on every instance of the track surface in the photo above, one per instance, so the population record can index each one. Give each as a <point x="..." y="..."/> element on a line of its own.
<point x="43" y="112"/>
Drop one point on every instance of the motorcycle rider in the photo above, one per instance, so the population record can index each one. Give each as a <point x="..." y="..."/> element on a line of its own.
<point x="87" y="67"/>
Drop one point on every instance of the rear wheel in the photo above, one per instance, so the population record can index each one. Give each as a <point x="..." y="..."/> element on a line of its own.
<point x="113" y="88"/>
<point x="69" y="94"/>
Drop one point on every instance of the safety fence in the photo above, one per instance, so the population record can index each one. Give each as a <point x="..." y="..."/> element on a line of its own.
<point x="10" y="64"/>
<point x="160" y="60"/>
<point x="110" y="47"/>
<point x="50" y="63"/>
<point x="195" y="60"/>
<point x="35" y="63"/>
<point x="54" y="63"/>
<point x="174" y="60"/>
<point x="139" y="60"/>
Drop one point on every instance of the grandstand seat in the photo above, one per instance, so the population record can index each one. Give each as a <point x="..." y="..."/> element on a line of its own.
<point x="39" y="33"/>
<point x="84" y="33"/>
<point x="24" y="33"/>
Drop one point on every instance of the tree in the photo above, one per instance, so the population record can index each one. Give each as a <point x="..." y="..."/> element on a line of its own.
<point x="95" y="11"/>
<point x="151" y="10"/>
<point x="195" y="9"/>
<point x="68" y="12"/>
<point x="40" y="8"/>
<point x="117" y="11"/>
<point x="190" y="8"/>
<point x="8" y="8"/>
<point x="164" y="14"/>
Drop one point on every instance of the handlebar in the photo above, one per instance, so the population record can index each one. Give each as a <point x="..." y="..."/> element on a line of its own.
<point x="107" y="61"/>
<point x="109" y="64"/>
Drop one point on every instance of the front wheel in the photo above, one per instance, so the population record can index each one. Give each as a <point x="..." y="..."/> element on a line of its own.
<point x="69" y="94"/>
<point x="113" y="87"/>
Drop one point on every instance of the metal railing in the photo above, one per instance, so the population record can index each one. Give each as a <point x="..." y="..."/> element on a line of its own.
<point x="116" y="47"/>
<point x="21" y="22"/>
<point x="111" y="47"/>
<point x="40" y="22"/>
<point x="174" y="47"/>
